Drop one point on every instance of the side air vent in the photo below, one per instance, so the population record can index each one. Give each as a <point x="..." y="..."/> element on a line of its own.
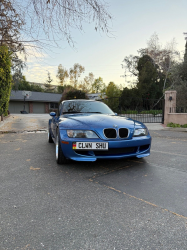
<point x="110" y="133"/>
<point x="144" y="147"/>
<point x="123" y="132"/>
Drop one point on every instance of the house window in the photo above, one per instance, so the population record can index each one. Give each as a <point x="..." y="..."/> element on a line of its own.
<point x="53" y="105"/>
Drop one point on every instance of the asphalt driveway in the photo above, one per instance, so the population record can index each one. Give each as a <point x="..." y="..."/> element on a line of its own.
<point x="125" y="204"/>
<point x="24" y="122"/>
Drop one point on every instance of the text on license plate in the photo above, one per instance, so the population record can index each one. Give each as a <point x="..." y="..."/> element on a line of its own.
<point x="90" y="145"/>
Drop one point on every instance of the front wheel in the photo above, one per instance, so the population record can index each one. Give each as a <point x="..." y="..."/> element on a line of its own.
<point x="50" y="139"/>
<point x="60" y="158"/>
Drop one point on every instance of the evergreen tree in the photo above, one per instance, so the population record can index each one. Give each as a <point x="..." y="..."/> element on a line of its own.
<point x="5" y="79"/>
<point x="150" y="80"/>
<point x="179" y="80"/>
<point x="184" y="66"/>
<point x="113" y="94"/>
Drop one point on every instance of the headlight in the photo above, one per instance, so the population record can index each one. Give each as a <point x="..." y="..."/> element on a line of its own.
<point x="140" y="132"/>
<point x="81" y="134"/>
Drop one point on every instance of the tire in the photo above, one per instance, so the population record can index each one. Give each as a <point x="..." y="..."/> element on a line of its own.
<point x="60" y="158"/>
<point x="50" y="139"/>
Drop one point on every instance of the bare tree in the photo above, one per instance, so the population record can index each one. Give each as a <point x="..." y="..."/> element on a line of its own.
<point x="75" y="73"/>
<point x="87" y="83"/>
<point x="57" y="17"/>
<point x="62" y="74"/>
<point x="11" y="23"/>
<point x="41" y="23"/>
<point x="45" y="22"/>
<point x="130" y="63"/>
<point x="163" y="57"/>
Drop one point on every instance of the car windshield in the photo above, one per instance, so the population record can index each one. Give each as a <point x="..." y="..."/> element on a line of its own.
<point x="86" y="107"/>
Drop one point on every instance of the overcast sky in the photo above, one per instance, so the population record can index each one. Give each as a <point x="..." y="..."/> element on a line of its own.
<point x="134" y="21"/>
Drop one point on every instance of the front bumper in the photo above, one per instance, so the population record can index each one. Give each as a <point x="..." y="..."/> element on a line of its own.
<point x="117" y="149"/>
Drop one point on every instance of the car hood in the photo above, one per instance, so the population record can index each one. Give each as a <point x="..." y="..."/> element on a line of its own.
<point x="94" y="121"/>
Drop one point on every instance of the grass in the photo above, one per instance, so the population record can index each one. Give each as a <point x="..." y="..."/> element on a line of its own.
<point x="175" y="125"/>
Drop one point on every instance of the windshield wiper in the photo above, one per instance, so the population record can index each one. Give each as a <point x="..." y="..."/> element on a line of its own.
<point x="75" y="112"/>
<point x="71" y="112"/>
<point x="93" y="112"/>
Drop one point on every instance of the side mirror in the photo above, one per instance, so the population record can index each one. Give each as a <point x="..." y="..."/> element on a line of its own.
<point x="116" y="113"/>
<point x="53" y="114"/>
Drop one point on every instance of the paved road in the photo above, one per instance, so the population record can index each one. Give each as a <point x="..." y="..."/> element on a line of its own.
<point x="125" y="204"/>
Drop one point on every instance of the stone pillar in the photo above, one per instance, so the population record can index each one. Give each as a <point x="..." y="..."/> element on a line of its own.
<point x="170" y="104"/>
<point x="30" y="107"/>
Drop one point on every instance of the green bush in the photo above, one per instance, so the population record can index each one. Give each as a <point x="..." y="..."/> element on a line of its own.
<point x="70" y="94"/>
<point x="5" y="79"/>
<point x="175" y="125"/>
<point x="75" y="94"/>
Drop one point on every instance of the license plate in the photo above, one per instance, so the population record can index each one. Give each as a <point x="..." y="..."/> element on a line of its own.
<point x="90" y="145"/>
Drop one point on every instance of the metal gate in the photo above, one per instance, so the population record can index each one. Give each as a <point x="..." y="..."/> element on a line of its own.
<point x="143" y="110"/>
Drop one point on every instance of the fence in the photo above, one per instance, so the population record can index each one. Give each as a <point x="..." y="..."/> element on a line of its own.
<point x="144" y="110"/>
<point x="178" y="110"/>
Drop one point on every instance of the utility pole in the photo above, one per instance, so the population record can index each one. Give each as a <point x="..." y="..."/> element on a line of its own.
<point x="185" y="34"/>
<point x="185" y="54"/>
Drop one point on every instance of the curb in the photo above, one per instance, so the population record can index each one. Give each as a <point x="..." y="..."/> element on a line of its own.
<point x="33" y="131"/>
<point x="4" y="118"/>
<point x="176" y="129"/>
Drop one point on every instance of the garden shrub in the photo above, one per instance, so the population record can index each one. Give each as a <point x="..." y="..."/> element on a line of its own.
<point x="70" y="94"/>
<point x="5" y="79"/>
<point x="175" y="125"/>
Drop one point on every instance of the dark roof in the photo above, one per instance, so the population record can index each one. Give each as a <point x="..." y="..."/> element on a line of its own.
<point x="35" y="96"/>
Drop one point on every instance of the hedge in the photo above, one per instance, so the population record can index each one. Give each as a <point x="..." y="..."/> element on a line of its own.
<point x="5" y="79"/>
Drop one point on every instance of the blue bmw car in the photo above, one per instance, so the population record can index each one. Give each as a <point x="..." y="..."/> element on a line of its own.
<point x="87" y="130"/>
